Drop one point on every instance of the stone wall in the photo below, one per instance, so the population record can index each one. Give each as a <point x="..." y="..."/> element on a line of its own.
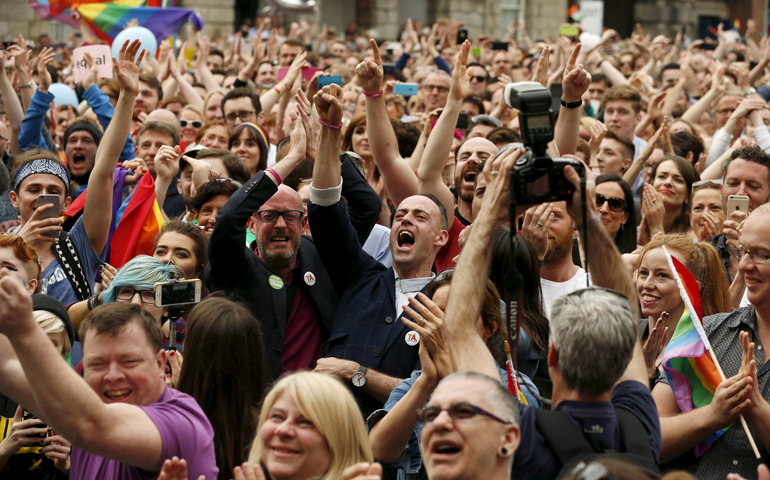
<point x="16" y="17"/>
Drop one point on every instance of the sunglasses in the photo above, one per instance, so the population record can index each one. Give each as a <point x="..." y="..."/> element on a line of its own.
<point x="616" y="204"/>
<point x="479" y="78"/>
<point x="193" y="123"/>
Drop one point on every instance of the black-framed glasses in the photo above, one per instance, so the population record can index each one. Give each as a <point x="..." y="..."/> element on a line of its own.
<point x="757" y="258"/>
<point x="192" y="123"/>
<point x="126" y="294"/>
<point x="461" y="411"/>
<point x="244" y="115"/>
<point x="616" y="204"/>
<point x="479" y="78"/>
<point x="289" y="216"/>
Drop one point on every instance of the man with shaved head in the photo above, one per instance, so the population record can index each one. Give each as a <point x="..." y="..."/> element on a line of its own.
<point x="279" y="276"/>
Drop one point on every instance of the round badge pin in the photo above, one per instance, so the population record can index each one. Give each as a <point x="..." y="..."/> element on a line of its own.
<point x="309" y="279"/>
<point x="412" y="338"/>
<point x="275" y="281"/>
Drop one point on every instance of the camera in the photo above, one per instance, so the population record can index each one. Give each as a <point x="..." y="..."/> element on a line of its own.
<point x="536" y="177"/>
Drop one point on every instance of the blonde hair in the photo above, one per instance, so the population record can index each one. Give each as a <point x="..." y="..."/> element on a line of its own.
<point x="50" y="323"/>
<point x="331" y="408"/>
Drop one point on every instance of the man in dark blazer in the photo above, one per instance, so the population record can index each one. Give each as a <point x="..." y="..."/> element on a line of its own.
<point x="369" y="346"/>
<point x="280" y="276"/>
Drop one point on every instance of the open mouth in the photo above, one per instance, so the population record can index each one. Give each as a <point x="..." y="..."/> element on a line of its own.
<point x="470" y="176"/>
<point x="279" y="240"/>
<point x="648" y="299"/>
<point x="78" y="160"/>
<point x="752" y="281"/>
<point x="117" y="395"/>
<point x="445" y="449"/>
<point x="405" y="239"/>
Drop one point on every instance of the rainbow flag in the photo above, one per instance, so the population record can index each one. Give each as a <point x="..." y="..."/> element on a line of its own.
<point x="108" y="19"/>
<point x="690" y="370"/>
<point x="43" y="9"/>
<point x="138" y="221"/>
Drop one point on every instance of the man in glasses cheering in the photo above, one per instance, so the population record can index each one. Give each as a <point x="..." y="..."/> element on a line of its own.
<point x="279" y="276"/>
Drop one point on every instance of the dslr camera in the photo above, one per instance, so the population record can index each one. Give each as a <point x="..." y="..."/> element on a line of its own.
<point x="536" y="177"/>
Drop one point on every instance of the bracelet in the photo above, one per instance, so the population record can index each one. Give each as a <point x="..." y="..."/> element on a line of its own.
<point x="280" y="93"/>
<point x="28" y="85"/>
<point x="372" y="95"/>
<point x="93" y="302"/>
<point x="275" y="174"/>
<point x="590" y="223"/>
<point x="330" y="125"/>
<point x="571" y="105"/>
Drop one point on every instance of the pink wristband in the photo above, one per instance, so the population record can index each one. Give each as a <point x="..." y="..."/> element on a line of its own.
<point x="275" y="174"/>
<point x="372" y="95"/>
<point x="330" y="125"/>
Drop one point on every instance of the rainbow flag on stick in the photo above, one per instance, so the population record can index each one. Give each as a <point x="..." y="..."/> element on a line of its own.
<point x="109" y="19"/>
<point x="688" y="360"/>
<point x="138" y="222"/>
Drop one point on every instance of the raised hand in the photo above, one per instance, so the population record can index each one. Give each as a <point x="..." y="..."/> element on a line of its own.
<point x="298" y="136"/>
<point x="175" y="469"/>
<point x="328" y="104"/>
<point x="92" y="72"/>
<point x="543" y="67"/>
<point x="167" y="161"/>
<point x="653" y="209"/>
<point x="305" y="111"/>
<point x="44" y="76"/>
<point x="369" y="72"/>
<point x="15" y="308"/>
<point x="204" y="46"/>
<point x="35" y="231"/>
<point x="363" y="471"/>
<point x="655" y="106"/>
<point x="20" y="53"/>
<point x="295" y="68"/>
<point x="576" y="80"/>
<point x="460" y="86"/>
<point x="656" y="343"/>
<point x="537" y="222"/>
<point x="248" y="472"/>
<point x="598" y="132"/>
<point x="126" y="68"/>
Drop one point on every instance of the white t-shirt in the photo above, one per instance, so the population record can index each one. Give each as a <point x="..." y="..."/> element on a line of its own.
<point x="554" y="290"/>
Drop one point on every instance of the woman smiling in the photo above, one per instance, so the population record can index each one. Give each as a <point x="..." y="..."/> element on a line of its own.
<point x="666" y="199"/>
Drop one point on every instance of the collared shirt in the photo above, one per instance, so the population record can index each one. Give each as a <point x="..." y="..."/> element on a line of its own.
<point x="732" y="453"/>
<point x="408" y="288"/>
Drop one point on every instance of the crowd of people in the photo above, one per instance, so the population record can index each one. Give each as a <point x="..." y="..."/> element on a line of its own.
<point x="342" y="204"/>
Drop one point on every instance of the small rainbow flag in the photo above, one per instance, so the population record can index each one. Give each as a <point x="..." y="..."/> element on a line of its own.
<point x="138" y="222"/>
<point x="690" y="370"/>
<point x="737" y="24"/>
<point x="513" y="381"/>
<point x="109" y="19"/>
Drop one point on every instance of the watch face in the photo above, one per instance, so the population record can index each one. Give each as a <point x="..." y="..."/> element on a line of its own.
<point x="359" y="379"/>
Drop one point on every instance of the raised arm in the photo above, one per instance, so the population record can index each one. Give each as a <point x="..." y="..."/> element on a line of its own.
<point x="468" y="350"/>
<point x="204" y="46"/>
<point x="574" y="85"/>
<point x="437" y="149"/>
<point x="31" y="134"/>
<point x="12" y="104"/>
<point x="400" y="180"/>
<point x="95" y="222"/>
<point x="117" y="431"/>
<point x="189" y="93"/>
<point x="636" y="168"/>
<point x="272" y="96"/>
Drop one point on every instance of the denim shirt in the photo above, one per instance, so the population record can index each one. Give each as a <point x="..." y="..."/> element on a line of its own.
<point x="100" y="104"/>
<point x="31" y="134"/>
<point x="411" y="460"/>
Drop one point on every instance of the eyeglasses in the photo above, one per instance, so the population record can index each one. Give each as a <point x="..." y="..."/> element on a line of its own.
<point x="479" y="78"/>
<point x="271" y="216"/>
<point x="244" y="115"/>
<point x="592" y="471"/>
<point x="126" y="294"/>
<point x="462" y="411"/>
<point x="193" y="123"/>
<point x="616" y="204"/>
<point x="757" y="258"/>
<point x="441" y="89"/>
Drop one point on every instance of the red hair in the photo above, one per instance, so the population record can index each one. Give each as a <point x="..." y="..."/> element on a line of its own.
<point x="24" y="252"/>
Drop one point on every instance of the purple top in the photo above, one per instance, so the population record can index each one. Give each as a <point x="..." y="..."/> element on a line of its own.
<point x="184" y="430"/>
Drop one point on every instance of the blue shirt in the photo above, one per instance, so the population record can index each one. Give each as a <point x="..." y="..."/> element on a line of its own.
<point x="53" y="279"/>
<point x="411" y="460"/>
<point x="533" y="458"/>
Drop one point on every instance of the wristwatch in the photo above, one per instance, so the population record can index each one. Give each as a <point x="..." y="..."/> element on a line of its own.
<point x="359" y="378"/>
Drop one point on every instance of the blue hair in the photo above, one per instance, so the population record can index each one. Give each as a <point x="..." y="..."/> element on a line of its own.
<point x="141" y="273"/>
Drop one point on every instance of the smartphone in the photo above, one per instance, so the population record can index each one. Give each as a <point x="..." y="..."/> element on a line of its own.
<point x="737" y="203"/>
<point x="462" y="35"/>
<point x="27" y="415"/>
<point x="498" y="45"/>
<point x="53" y="212"/>
<point x="177" y="294"/>
<point x="405" y="89"/>
<point x="569" y="31"/>
<point x="329" y="79"/>
<point x="462" y="121"/>
<point x="388" y="68"/>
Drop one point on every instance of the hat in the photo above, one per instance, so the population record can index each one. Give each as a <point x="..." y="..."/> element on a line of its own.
<point x="81" y="125"/>
<point x="191" y="152"/>
<point x="50" y="304"/>
<point x="764" y="92"/>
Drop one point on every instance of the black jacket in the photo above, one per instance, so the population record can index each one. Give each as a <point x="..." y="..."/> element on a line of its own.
<point x="237" y="270"/>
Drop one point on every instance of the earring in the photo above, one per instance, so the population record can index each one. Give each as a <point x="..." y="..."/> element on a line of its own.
<point x="504" y="452"/>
